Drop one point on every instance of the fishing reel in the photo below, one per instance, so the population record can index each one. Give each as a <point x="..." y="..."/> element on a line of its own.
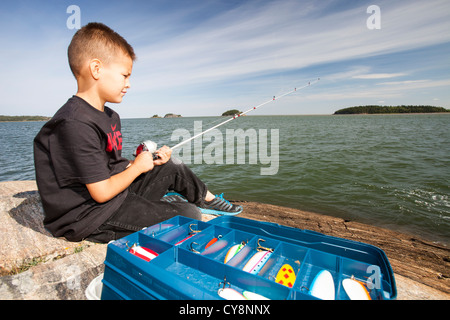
<point x="149" y="146"/>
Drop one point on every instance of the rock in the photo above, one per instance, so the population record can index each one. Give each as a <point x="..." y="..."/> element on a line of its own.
<point x="412" y="290"/>
<point x="62" y="270"/>
<point x="57" y="268"/>
<point x="62" y="279"/>
<point x="22" y="234"/>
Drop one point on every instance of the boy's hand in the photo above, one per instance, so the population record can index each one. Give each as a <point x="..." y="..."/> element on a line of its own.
<point x="144" y="162"/>
<point x="164" y="155"/>
<point x="107" y="189"/>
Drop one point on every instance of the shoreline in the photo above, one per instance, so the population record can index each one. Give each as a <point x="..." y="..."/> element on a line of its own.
<point x="385" y="114"/>
<point x="301" y="115"/>
<point x="404" y="229"/>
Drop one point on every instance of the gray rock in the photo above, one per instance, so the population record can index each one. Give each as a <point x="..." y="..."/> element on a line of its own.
<point x="57" y="268"/>
<point x="61" y="279"/>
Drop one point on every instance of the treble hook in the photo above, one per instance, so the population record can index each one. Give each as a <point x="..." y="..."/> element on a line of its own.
<point x="261" y="248"/>
<point x="225" y="282"/>
<point x="134" y="245"/>
<point x="192" y="249"/>
<point x="193" y="231"/>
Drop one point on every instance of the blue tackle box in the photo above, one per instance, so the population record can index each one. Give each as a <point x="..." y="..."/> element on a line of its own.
<point x="235" y="258"/>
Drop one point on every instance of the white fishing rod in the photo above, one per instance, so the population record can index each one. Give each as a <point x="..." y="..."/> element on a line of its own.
<point x="152" y="146"/>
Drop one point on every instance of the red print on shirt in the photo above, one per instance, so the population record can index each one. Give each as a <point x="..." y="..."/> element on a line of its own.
<point x="114" y="140"/>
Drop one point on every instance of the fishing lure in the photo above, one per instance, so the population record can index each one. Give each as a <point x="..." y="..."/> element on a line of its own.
<point x="253" y="296"/>
<point x="355" y="289"/>
<point x="218" y="246"/>
<point x="228" y="293"/>
<point x="255" y="264"/>
<point x="231" y="294"/>
<point x="212" y="241"/>
<point x="234" y="251"/>
<point x="322" y="286"/>
<point x="286" y="276"/>
<point x="209" y="244"/>
<point x="190" y="234"/>
<point x="142" y="252"/>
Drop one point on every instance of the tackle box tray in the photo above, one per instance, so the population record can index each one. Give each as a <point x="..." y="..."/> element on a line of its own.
<point x="189" y="256"/>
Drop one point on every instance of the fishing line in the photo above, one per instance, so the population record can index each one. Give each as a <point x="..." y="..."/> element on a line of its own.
<point x="152" y="146"/>
<point x="238" y="115"/>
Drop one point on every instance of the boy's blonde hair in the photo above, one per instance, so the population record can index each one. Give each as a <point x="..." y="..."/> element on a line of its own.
<point x="96" y="41"/>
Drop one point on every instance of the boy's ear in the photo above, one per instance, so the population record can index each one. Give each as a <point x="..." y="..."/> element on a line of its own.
<point x="95" y="66"/>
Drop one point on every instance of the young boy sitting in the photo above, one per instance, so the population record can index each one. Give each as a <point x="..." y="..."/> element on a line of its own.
<point x="88" y="190"/>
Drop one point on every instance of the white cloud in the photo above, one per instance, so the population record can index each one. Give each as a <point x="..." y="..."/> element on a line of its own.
<point x="378" y="75"/>
<point x="401" y="83"/>
<point x="274" y="38"/>
<point x="417" y="84"/>
<point x="381" y="94"/>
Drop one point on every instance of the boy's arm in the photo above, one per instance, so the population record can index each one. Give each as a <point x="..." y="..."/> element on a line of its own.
<point x="105" y="190"/>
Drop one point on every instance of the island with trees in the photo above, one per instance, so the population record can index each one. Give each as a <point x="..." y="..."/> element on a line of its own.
<point x="231" y="112"/>
<point x="172" y="115"/>
<point x="374" y="109"/>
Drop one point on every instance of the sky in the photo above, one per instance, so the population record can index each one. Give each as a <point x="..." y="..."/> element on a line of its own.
<point x="203" y="57"/>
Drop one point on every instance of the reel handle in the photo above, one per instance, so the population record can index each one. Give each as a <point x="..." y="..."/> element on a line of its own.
<point x="147" y="145"/>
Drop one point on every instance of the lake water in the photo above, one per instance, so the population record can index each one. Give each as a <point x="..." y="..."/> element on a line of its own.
<point x="386" y="170"/>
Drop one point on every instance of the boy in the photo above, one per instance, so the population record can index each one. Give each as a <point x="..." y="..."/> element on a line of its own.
<point x="88" y="190"/>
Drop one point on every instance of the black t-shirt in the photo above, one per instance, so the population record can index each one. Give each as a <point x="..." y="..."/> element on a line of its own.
<point x="79" y="145"/>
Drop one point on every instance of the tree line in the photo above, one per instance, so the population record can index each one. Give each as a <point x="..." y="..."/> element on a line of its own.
<point x="231" y="112"/>
<point x="24" y="118"/>
<point x="374" y="109"/>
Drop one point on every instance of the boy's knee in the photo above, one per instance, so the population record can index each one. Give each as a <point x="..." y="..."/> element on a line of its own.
<point x="176" y="163"/>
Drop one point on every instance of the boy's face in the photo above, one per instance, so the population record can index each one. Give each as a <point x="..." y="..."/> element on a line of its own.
<point x="115" y="78"/>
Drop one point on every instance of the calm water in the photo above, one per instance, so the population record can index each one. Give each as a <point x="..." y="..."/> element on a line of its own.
<point x="387" y="170"/>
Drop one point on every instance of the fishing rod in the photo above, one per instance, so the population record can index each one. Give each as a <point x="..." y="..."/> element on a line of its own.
<point x="152" y="146"/>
